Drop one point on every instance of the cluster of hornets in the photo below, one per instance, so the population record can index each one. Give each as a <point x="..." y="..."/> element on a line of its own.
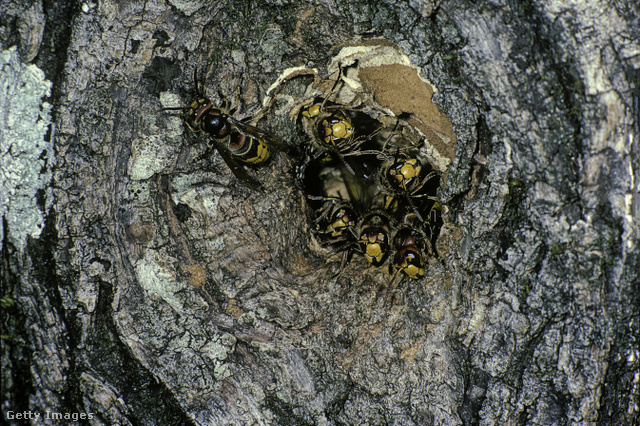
<point x="370" y="189"/>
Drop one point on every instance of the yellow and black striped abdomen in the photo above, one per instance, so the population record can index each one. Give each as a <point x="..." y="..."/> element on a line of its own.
<point x="248" y="149"/>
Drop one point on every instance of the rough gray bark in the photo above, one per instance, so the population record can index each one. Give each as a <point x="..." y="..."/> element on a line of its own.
<point x="132" y="310"/>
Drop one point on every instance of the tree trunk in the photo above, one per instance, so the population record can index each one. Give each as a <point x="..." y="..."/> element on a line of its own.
<point x="156" y="288"/>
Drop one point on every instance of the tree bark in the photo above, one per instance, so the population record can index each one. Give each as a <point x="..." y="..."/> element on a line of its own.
<point x="160" y="290"/>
